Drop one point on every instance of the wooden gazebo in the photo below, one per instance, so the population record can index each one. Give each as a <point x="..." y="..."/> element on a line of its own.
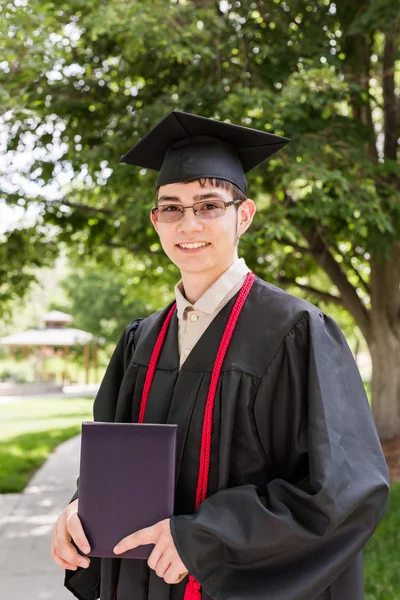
<point x="55" y="333"/>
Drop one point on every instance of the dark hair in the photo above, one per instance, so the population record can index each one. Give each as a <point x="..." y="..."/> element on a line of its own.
<point x="234" y="191"/>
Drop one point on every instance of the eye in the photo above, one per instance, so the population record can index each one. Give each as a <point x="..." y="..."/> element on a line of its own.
<point x="169" y="208"/>
<point x="209" y="206"/>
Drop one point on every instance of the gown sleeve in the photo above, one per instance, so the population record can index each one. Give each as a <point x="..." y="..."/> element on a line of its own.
<point x="327" y="486"/>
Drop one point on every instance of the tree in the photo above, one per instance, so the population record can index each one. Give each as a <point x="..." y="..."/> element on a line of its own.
<point x="101" y="300"/>
<point x="96" y="77"/>
<point x="21" y="251"/>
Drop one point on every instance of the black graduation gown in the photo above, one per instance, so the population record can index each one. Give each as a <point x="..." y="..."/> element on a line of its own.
<point x="298" y="482"/>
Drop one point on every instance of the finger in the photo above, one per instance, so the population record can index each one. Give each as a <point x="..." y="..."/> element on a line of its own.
<point x="75" y="529"/>
<point x="139" y="538"/>
<point x="64" y="549"/>
<point x="60" y="562"/>
<point x="172" y="576"/>
<point x="70" y="555"/>
<point x="157" y="552"/>
<point x="64" y="564"/>
<point x="163" y="565"/>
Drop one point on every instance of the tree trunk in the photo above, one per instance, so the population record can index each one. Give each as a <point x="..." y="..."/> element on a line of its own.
<point x="385" y="354"/>
<point x="384" y="343"/>
<point x="389" y="97"/>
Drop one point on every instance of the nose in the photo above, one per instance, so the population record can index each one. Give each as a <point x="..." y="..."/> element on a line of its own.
<point x="190" y="222"/>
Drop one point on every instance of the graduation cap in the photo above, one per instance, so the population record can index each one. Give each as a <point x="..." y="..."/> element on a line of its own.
<point x="185" y="147"/>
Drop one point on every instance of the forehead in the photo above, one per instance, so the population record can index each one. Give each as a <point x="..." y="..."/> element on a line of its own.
<point x="190" y="190"/>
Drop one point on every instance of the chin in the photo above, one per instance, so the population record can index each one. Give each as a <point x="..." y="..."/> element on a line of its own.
<point x="195" y="262"/>
<point x="192" y="266"/>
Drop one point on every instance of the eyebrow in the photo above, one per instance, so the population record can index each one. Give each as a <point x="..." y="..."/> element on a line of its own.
<point x="196" y="197"/>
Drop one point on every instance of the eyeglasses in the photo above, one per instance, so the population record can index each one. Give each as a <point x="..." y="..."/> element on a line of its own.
<point x="205" y="209"/>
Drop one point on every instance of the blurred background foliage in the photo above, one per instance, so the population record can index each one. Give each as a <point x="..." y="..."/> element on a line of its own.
<point x="81" y="83"/>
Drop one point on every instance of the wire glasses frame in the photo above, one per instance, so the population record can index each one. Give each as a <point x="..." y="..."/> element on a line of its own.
<point x="204" y="209"/>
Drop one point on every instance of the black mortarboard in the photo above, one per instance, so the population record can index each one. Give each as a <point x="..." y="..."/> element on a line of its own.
<point x="184" y="147"/>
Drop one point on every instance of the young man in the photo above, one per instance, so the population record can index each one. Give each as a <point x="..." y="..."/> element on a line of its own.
<point x="281" y="477"/>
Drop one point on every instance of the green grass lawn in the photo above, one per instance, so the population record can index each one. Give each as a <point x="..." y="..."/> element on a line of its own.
<point x="23" y="371"/>
<point x="381" y="554"/>
<point x="30" y="430"/>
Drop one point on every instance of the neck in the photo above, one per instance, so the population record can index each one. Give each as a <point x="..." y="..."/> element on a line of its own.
<point x="196" y="284"/>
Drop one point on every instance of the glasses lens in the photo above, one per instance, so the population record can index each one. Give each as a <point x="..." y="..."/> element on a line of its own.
<point x="210" y="209"/>
<point x="206" y="209"/>
<point x="168" y="213"/>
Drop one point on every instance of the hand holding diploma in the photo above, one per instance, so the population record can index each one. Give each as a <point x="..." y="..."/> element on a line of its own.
<point x="68" y="527"/>
<point x="164" y="559"/>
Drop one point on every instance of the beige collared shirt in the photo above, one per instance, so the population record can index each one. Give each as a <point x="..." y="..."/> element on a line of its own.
<point x="193" y="319"/>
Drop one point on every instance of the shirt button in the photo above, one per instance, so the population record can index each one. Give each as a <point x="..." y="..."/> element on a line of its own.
<point x="187" y="352"/>
<point x="194" y="317"/>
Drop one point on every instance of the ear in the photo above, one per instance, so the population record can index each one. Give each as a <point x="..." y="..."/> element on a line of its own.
<point x="154" y="221"/>
<point x="246" y="212"/>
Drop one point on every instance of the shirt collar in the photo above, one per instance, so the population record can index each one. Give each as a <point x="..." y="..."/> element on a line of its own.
<point x="215" y="294"/>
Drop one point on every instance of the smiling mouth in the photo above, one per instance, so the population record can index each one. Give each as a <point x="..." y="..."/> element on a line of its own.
<point x="193" y="246"/>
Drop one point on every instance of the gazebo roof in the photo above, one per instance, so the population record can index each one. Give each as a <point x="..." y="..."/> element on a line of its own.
<point x="56" y="316"/>
<point x="48" y="337"/>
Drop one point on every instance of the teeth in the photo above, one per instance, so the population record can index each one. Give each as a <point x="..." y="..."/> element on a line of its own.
<point x="199" y="245"/>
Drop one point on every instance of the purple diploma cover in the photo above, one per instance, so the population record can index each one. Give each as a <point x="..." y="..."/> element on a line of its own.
<point x="126" y="482"/>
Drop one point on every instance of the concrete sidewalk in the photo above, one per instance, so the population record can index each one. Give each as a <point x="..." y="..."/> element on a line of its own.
<point x="26" y="521"/>
<point x="11" y="392"/>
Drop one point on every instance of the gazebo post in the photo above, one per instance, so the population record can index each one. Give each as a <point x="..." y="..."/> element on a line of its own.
<point x="96" y="364"/>
<point x="64" y="373"/>
<point x="43" y="362"/>
<point x="87" y="361"/>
